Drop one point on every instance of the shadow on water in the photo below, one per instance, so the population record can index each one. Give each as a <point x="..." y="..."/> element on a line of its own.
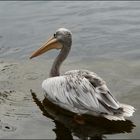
<point x="93" y="128"/>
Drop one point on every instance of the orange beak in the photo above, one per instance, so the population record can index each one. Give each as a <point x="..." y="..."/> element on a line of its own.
<point x="52" y="43"/>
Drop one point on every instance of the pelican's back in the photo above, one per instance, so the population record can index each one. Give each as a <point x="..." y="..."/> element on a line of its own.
<point x="82" y="91"/>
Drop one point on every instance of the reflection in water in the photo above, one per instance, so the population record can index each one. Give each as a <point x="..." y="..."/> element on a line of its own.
<point x="93" y="128"/>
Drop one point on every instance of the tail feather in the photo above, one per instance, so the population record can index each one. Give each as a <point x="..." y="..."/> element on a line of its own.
<point x="128" y="111"/>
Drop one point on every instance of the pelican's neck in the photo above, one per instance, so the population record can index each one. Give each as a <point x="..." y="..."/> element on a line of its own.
<point x="55" y="70"/>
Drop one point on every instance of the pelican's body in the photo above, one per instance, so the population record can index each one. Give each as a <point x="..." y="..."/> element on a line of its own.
<point x="79" y="91"/>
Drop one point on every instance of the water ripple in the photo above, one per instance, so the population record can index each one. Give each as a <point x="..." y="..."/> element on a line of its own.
<point x="7" y="127"/>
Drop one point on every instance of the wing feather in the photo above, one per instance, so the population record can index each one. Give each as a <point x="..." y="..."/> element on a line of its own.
<point x="57" y="89"/>
<point x="99" y="84"/>
<point x="80" y="92"/>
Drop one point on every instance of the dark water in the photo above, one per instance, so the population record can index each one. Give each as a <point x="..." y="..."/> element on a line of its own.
<point x="106" y="40"/>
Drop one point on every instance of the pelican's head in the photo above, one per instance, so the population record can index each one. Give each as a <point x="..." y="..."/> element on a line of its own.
<point x="61" y="38"/>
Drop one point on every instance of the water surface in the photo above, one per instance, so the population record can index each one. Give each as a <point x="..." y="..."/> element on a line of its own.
<point x="105" y="40"/>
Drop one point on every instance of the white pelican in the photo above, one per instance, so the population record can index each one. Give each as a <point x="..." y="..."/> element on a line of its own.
<point x="79" y="91"/>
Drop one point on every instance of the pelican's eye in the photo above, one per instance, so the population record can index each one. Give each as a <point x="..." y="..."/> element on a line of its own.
<point x="54" y="35"/>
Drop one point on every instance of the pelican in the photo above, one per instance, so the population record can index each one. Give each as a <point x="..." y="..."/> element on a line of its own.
<point x="79" y="91"/>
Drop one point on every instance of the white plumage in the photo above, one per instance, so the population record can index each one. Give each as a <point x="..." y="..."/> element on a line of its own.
<point x="84" y="92"/>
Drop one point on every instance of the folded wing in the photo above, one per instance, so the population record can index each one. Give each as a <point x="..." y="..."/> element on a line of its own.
<point x="81" y="91"/>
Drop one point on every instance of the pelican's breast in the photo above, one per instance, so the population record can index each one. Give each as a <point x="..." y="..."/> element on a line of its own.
<point x="53" y="86"/>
